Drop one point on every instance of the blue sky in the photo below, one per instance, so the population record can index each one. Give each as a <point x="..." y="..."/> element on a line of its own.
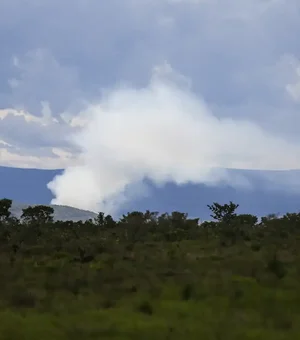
<point x="164" y="89"/>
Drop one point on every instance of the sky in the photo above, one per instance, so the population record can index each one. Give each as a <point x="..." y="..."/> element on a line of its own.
<point x="170" y="90"/>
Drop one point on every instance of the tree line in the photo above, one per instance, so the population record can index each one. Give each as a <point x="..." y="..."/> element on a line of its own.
<point x="37" y="223"/>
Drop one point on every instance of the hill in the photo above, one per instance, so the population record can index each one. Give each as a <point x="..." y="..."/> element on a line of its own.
<point x="29" y="186"/>
<point x="62" y="213"/>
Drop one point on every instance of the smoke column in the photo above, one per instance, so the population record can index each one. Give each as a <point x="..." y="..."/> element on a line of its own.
<point x="162" y="132"/>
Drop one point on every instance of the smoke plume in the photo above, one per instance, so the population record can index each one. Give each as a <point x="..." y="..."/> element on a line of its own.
<point x="162" y="132"/>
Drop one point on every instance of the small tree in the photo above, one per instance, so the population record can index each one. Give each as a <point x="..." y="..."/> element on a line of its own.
<point x="38" y="213"/>
<point x="223" y="213"/>
<point x="104" y="221"/>
<point x="246" y="219"/>
<point x="5" y="205"/>
<point x="133" y="218"/>
<point x="99" y="219"/>
<point x="109" y="222"/>
<point x="134" y="223"/>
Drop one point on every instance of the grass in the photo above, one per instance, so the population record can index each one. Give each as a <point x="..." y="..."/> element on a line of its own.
<point x="192" y="289"/>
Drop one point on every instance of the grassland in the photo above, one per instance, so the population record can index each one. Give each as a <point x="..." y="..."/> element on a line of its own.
<point x="61" y="281"/>
<point x="166" y="290"/>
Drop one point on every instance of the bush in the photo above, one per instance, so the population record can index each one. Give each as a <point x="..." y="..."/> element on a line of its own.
<point x="23" y="298"/>
<point x="256" y="246"/>
<point x="145" y="307"/>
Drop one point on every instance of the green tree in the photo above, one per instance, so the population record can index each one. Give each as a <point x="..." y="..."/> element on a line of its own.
<point x="37" y="213"/>
<point x="223" y="213"/>
<point x="104" y="221"/>
<point x="134" y="222"/>
<point x="246" y="219"/>
<point x="133" y="218"/>
<point x="109" y="222"/>
<point x="99" y="219"/>
<point x="5" y="205"/>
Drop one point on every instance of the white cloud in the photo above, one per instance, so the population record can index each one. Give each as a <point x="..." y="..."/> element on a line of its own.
<point x="61" y="159"/>
<point x="294" y="88"/>
<point x="20" y="133"/>
<point x="43" y="120"/>
<point x="2" y="142"/>
<point x="19" y="113"/>
<point x="162" y="132"/>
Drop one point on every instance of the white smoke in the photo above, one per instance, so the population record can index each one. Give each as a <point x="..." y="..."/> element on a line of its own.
<point x="162" y="132"/>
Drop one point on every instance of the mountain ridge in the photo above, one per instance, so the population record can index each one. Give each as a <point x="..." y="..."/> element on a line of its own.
<point x="29" y="187"/>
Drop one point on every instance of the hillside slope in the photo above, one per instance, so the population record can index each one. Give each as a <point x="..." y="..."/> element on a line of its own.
<point x="62" y="213"/>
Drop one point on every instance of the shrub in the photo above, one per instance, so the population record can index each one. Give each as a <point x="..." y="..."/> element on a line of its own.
<point x="145" y="307"/>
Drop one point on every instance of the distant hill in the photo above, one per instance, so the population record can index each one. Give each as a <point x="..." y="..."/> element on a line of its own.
<point x="62" y="213"/>
<point x="28" y="186"/>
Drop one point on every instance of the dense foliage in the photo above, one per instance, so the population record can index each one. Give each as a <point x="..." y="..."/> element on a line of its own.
<point x="149" y="275"/>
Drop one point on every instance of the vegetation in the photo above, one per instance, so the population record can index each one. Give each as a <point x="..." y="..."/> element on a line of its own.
<point x="149" y="275"/>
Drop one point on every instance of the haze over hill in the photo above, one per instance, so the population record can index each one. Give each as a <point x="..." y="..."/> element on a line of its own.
<point x="30" y="186"/>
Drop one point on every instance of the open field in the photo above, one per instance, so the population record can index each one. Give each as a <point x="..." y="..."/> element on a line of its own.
<point x="142" y="281"/>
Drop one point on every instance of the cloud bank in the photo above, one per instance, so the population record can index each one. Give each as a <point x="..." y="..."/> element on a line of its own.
<point x="162" y="132"/>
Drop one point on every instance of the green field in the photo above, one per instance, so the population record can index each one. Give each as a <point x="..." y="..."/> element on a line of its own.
<point x="147" y="277"/>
